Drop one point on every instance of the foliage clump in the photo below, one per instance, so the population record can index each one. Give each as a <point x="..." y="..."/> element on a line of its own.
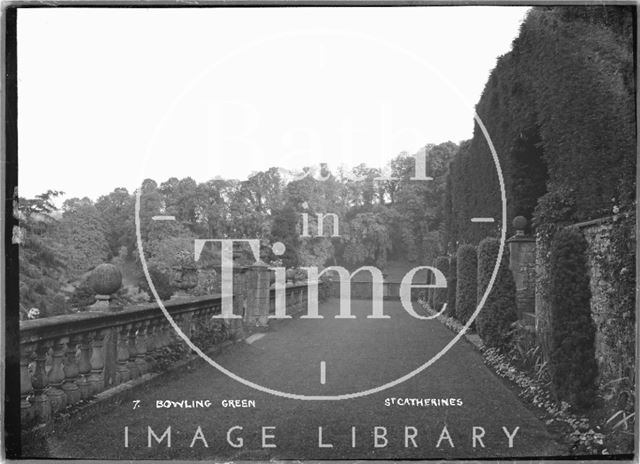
<point x="572" y="363"/>
<point x="499" y="311"/>
<point x="440" y="294"/>
<point x="451" y="286"/>
<point x="466" y="283"/>
<point x="161" y="281"/>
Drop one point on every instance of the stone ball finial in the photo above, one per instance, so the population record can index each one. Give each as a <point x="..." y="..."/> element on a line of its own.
<point x="520" y="223"/>
<point x="105" y="279"/>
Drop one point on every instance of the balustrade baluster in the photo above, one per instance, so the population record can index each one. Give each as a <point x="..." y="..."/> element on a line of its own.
<point x="71" y="372"/>
<point x="171" y="334"/>
<point x="40" y="383"/>
<point x="83" y="355"/>
<point x="122" y="371"/>
<point x="196" y="323"/>
<point x="152" y="343"/>
<point x="188" y="319"/>
<point x="164" y="333"/>
<point x="56" y="376"/>
<point x="202" y="322"/>
<point x="27" y="411"/>
<point x="84" y="366"/>
<point x="133" y="352"/>
<point x="141" y="348"/>
<point x="96" y="378"/>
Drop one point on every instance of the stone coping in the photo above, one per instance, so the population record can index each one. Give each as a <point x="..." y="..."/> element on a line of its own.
<point x="592" y="222"/>
<point x="521" y="238"/>
<point x="72" y="324"/>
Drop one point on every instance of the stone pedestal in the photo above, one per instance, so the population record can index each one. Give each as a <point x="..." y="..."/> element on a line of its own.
<point x="239" y="302"/>
<point x="257" y="291"/>
<point x="522" y="263"/>
<point x="102" y="304"/>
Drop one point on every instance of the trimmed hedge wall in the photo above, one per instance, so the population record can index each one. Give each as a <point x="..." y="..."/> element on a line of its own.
<point x="566" y="135"/>
<point x="452" y="280"/>
<point x="467" y="269"/>
<point x="499" y="311"/>
<point x="572" y="363"/>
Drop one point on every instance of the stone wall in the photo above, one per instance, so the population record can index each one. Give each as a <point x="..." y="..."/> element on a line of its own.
<point x="542" y="303"/>
<point x="597" y="234"/>
<point x="611" y="363"/>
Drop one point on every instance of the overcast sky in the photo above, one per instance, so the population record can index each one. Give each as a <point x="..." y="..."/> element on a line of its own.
<point x="108" y="97"/>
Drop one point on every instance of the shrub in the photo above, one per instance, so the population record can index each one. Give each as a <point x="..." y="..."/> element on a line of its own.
<point x="572" y="361"/>
<point x="59" y="305"/>
<point x="130" y="295"/>
<point x="466" y="283"/>
<point x="499" y="311"/>
<point x="451" y="287"/>
<point x="83" y="295"/>
<point x="161" y="281"/>
<point x="440" y="294"/>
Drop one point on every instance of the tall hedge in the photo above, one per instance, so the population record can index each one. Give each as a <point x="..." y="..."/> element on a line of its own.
<point x="570" y="129"/>
<point x="466" y="283"/>
<point x="440" y="294"/>
<point x="499" y="311"/>
<point x="451" y="287"/>
<point x="572" y="363"/>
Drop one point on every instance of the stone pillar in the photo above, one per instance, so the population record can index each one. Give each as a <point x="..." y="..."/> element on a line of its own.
<point x="239" y="302"/>
<point x="257" y="311"/>
<point x="522" y="263"/>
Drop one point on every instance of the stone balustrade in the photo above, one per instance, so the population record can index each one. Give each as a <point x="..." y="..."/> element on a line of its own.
<point x="295" y="298"/>
<point x="73" y="357"/>
<point x="69" y="358"/>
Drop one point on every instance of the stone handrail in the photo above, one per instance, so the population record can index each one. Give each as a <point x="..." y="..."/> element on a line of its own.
<point x="73" y="357"/>
<point x="90" y="352"/>
<point x="296" y="298"/>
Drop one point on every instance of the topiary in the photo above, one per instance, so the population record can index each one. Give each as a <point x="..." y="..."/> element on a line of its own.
<point x="572" y="362"/>
<point x="440" y="294"/>
<point x="466" y="283"/>
<point x="161" y="281"/>
<point x="499" y="311"/>
<point x="451" y="287"/>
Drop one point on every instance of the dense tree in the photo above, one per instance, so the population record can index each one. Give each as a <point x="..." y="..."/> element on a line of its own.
<point x="284" y="229"/>
<point x="550" y="130"/>
<point x="368" y="240"/>
<point x="81" y="232"/>
<point x="41" y="258"/>
<point x="375" y="218"/>
<point x="117" y="212"/>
